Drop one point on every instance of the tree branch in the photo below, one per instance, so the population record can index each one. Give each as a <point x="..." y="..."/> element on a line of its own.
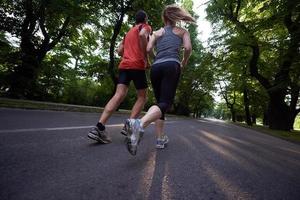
<point x="116" y="31"/>
<point x="60" y="34"/>
<point x="254" y="69"/>
<point x="42" y="22"/>
<point x="238" y="7"/>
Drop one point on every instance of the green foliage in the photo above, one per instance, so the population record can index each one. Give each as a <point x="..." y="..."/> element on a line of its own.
<point x="8" y="59"/>
<point x="75" y="68"/>
<point x="197" y="80"/>
<point x="297" y="123"/>
<point x="86" y="92"/>
<point x="242" y="26"/>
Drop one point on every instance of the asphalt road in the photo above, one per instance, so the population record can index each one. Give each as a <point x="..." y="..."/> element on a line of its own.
<point x="46" y="155"/>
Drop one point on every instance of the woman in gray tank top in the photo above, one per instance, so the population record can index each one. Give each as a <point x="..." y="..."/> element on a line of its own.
<point x="165" y="73"/>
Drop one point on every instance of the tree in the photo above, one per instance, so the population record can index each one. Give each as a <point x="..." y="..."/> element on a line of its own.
<point x="272" y="27"/>
<point x="40" y="26"/>
<point x="197" y="80"/>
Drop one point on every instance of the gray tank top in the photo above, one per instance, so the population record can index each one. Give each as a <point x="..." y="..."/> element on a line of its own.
<point x="168" y="47"/>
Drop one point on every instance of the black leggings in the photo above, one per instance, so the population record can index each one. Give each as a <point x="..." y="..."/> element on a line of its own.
<point x="164" y="78"/>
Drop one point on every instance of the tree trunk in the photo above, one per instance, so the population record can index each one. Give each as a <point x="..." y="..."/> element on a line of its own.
<point x="278" y="113"/>
<point x="246" y="105"/>
<point x="266" y="118"/>
<point x="182" y="109"/>
<point x="23" y="78"/>
<point x="22" y="81"/>
<point x="116" y="31"/>
<point x="233" y="114"/>
<point x="253" y="119"/>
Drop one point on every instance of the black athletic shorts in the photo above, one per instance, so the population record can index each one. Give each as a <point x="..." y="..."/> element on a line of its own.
<point x="137" y="76"/>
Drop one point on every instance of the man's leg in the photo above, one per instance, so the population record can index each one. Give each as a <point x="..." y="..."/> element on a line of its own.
<point x="98" y="133"/>
<point x="114" y="103"/>
<point x="139" y="104"/>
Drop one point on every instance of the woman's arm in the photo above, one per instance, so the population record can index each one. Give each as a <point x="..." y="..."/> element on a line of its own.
<point x="187" y="45"/>
<point x="150" y="45"/>
<point x="152" y="41"/>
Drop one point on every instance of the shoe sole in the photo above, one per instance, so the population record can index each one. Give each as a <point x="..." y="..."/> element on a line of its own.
<point x="123" y="132"/>
<point x="163" y="146"/>
<point x="132" y="149"/>
<point x="97" y="138"/>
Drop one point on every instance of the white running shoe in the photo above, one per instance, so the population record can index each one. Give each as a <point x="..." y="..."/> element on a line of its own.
<point x="161" y="143"/>
<point x="134" y="134"/>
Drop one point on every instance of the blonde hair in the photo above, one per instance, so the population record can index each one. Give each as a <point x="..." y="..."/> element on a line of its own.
<point x="174" y="13"/>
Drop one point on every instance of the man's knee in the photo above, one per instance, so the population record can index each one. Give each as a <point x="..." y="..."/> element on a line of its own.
<point x="119" y="96"/>
<point x="142" y="96"/>
<point x="142" y="99"/>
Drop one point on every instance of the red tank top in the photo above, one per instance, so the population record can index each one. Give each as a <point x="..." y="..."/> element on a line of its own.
<point x="133" y="57"/>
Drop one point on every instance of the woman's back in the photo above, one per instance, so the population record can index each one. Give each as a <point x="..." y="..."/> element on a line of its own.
<point x="168" y="46"/>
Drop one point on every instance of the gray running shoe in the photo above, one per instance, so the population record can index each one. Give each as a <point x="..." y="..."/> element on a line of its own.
<point x="123" y="131"/>
<point x="100" y="136"/>
<point x="162" y="143"/>
<point x="133" y="129"/>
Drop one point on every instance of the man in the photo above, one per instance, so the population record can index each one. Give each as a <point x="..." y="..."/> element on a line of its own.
<point x="132" y="67"/>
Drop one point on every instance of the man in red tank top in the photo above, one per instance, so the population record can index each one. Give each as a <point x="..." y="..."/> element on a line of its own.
<point x="131" y="68"/>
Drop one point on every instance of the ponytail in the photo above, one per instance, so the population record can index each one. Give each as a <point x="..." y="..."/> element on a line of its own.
<point x="174" y="13"/>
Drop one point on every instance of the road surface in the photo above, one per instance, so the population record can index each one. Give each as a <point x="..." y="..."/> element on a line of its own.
<point x="46" y="155"/>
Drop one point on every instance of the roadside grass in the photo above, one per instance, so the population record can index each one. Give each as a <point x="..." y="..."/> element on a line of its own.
<point x="41" y="105"/>
<point x="27" y="104"/>
<point x="292" y="136"/>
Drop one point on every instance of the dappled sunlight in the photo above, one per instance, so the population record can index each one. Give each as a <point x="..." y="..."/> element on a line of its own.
<point x="149" y="172"/>
<point x="166" y="192"/>
<point x="211" y="120"/>
<point x="147" y="178"/>
<point x="290" y="150"/>
<point x="215" y="123"/>
<point x="248" y="160"/>
<point x="238" y="141"/>
<point x="218" y="148"/>
<point x="215" y="138"/>
<point x="229" y="189"/>
<point x="188" y="142"/>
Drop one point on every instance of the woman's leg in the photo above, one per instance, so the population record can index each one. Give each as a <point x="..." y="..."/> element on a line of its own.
<point x="164" y="79"/>
<point x="159" y="128"/>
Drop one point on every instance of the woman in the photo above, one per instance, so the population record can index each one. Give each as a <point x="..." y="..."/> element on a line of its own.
<point x="165" y="73"/>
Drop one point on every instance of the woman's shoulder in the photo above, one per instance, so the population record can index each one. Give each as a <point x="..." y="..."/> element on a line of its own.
<point x="179" y="31"/>
<point x="158" y="33"/>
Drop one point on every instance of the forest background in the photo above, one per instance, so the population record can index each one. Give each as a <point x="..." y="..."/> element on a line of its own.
<point x="64" y="51"/>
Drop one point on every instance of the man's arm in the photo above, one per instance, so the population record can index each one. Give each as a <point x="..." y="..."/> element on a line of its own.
<point x="143" y="35"/>
<point x="120" y="49"/>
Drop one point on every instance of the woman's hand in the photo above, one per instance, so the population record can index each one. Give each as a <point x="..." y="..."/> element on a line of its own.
<point x="183" y="63"/>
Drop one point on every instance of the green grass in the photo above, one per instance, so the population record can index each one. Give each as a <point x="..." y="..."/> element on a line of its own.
<point x="297" y="123"/>
<point x="292" y="136"/>
<point x="26" y="104"/>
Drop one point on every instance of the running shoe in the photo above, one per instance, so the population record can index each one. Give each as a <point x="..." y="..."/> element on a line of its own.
<point x="100" y="136"/>
<point x="162" y="142"/>
<point x="134" y="135"/>
<point x="123" y="131"/>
